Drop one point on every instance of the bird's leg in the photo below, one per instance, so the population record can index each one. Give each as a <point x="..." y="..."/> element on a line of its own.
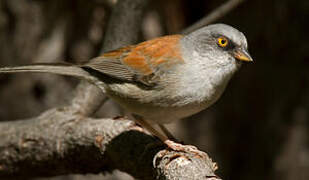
<point x="168" y="133"/>
<point x="149" y="127"/>
<point x="171" y="144"/>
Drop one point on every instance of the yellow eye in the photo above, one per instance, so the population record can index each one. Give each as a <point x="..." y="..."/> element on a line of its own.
<point x="223" y="41"/>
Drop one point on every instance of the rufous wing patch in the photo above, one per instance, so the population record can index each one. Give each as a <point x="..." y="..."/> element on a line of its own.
<point x="137" y="62"/>
<point x="141" y="62"/>
<point x="147" y="56"/>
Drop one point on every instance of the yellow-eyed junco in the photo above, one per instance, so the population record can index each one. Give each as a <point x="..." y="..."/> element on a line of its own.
<point x="163" y="79"/>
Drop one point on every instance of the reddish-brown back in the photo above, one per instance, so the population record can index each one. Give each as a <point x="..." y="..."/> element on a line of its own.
<point x="145" y="57"/>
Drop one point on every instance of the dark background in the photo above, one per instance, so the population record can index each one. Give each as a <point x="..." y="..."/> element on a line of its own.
<point x="257" y="130"/>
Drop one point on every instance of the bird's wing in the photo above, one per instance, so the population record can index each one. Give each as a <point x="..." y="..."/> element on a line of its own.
<point x="140" y="63"/>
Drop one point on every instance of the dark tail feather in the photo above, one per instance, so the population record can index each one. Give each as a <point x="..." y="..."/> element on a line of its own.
<point x="61" y="69"/>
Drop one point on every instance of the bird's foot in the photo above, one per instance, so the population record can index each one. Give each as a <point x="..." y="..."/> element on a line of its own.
<point x="176" y="151"/>
<point x="184" y="148"/>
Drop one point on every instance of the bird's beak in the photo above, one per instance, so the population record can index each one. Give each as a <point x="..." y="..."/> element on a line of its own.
<point x="242" y="55"/>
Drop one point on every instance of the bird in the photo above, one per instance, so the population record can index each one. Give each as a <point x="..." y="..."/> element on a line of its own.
<point x="163" y="79"/>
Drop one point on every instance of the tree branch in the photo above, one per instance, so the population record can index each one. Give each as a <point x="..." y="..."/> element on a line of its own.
<point x="31" y="148"/>
<point x="214" y="15"/>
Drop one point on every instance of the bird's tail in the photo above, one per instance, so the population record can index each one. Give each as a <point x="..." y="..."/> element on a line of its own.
<point x="55" y="68"/>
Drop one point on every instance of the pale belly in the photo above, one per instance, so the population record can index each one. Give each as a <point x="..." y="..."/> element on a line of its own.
<point x="163" y="107"/>
<point x="158" y="112"/>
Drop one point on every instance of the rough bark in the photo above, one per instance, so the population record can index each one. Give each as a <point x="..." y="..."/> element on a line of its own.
<point x="61" y="142"/>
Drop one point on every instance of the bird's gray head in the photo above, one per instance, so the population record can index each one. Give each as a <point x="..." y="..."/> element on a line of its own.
<point x="218" y="44"/>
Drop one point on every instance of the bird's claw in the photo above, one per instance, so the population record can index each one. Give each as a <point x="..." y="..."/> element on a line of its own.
<point x="184" y="148"/>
